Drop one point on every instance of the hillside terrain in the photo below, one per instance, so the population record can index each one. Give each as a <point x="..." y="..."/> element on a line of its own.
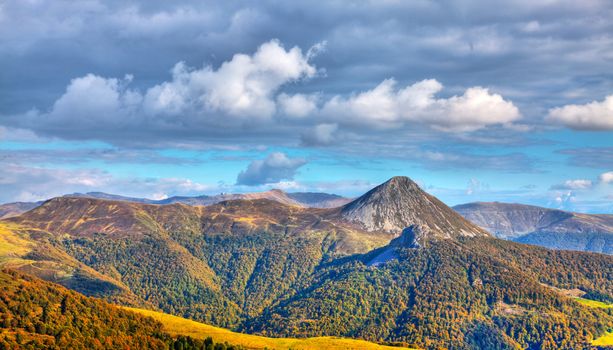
<point x="304" y="199"/>
<point x="39" y="315"/>
<point x="552" y="228"/>
<point x="394" y="265"/>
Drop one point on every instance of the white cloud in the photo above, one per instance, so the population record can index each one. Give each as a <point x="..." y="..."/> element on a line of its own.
<point x="387" y="106"/>
<point x="273" y="169"/>
<point x="242" y="87"/>
<point x="298" y="105"/>
<point x="591" y="116"/>
<point x="92" y="100"/>
<point x="606" y="178"/>
<point x="576" y="184"/>
<point x="34" y="183"/>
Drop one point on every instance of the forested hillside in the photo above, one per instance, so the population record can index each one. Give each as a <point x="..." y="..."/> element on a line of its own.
<point x="283" y="270"/>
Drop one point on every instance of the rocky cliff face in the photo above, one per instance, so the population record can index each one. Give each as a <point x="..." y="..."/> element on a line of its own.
<point x="400" y="203"/>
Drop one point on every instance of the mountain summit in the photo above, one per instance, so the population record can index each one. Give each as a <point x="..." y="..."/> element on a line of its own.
<point x="400" y="203"/>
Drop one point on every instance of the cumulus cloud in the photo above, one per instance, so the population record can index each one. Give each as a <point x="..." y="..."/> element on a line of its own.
<point x="91" y="101"/>
<point x="606" y="178"/>
<point x="242" y="87"/>
<point x="585" y="184"/>
<point x="298" y="105"/>
<point x="387" y="106"/>
<point x="273" y="169"/>
<point x="596" y="115"/>
<point x="241" y="91"/>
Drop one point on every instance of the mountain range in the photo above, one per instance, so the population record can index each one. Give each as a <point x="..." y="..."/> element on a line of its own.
<point x="394" y="265"/>
<point x="552" y="228"/>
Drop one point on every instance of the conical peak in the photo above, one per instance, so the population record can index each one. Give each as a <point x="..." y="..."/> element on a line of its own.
<point x="399" y="203"/>
<point x="397" y="182"/>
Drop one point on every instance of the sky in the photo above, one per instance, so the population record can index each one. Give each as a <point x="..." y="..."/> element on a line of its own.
<point x="510" y="103"/>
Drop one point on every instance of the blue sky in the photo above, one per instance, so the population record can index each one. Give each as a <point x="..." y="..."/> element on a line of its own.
<point x="154" y="99"/>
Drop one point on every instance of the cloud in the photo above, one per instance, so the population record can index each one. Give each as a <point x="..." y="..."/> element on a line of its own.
<point x="320" y="135"/>
<point x="606" y="178"/>
<point x="595" y="116"/>
<point x="577" y="184"/>
<point x="387" y="106"/>
<point x="298" y="105"/>
<point x="592" y="157"/>
<point x="242" y="87"/>
<point x="91" y="104"/>
<point x="584" y="184"/>
<point x="274" y="168"/>
<point x="34" y="183"/>
<point x="195" y="102"/>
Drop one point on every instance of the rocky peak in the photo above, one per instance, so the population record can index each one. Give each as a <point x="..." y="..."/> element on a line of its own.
<point x="400" y="203"/>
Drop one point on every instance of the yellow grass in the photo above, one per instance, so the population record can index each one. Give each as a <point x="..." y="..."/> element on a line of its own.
<point x="180" y="326"/>
<point x="605" y="340"/>
<point x="594" y="303"/>
<point x="13" y="243"/>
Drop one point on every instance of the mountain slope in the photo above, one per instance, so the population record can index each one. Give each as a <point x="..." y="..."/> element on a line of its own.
<point x="239" y="256"/>
<point x="551" y="228"/>
<point x="395" y="265"/>
<point x="37" y="314"/>
<point x="456" y="294"/>
<point x="13" y="209"/>
<point x="400" y="203"/>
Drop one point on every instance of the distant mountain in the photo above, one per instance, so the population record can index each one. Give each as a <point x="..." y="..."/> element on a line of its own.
<point x="400" y="203"/>
<point x="304" y="199"/>
<point x="13" y="209"/>
<point x="318" y="199"/>
<point x="394" y="265"/>
<point x="550" y="228"/>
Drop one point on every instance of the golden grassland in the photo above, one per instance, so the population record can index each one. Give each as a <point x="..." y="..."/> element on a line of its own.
<point x="594" y="303"/>
<point x="605" y="340"/>
<point x="180" y="326"/>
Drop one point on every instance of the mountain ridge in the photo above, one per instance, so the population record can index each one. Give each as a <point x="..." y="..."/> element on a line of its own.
<point x="551" y="228"/>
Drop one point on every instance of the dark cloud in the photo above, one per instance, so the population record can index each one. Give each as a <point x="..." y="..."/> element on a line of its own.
<point x="275" y="168"/>
<point x="84" y="155"/>
<point x="591" y="157"/>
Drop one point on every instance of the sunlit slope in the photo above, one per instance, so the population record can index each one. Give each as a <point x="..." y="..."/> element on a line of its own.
<point x="607" y="339"/>
<point x="180" y="326"/>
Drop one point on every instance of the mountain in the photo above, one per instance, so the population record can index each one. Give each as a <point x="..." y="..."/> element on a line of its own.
<point x="395" y="265"/>
<point x="400" y="203"/>
<point x="305" y="199"/>
<point x="550" y="228"/>
<point x="318" y="200"/>
<point x="13" y="209"/>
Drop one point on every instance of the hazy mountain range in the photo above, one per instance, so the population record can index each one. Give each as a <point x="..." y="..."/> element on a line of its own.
<point x="550" y="228"/>
<point x="395" y="265"/>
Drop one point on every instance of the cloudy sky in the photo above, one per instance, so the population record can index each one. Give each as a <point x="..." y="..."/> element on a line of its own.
<point x="475" y="102"/>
